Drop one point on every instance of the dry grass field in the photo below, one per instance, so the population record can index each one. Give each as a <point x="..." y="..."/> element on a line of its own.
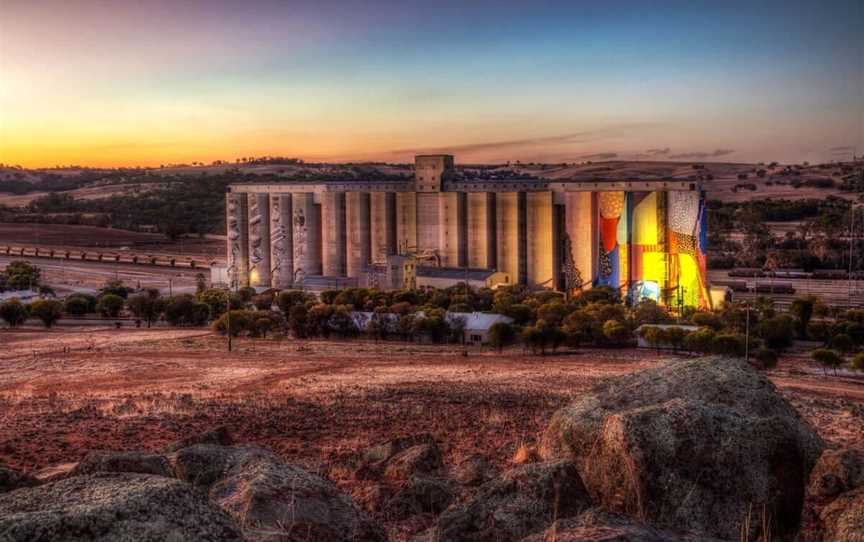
<point x="318" y="403"/>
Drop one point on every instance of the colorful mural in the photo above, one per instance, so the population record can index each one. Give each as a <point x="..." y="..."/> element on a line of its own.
<point x="652" y="245"/>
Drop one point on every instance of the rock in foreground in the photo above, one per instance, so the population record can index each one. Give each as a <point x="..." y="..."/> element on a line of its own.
<point x="137" y="462"/>
<point x="273" y="500"/>
<point x="693" y="444"/>
<point x="128" y="507"/>
<point x="598" y="526"/>
<point x="522" y="501"/>
<point x="12" y="479"/>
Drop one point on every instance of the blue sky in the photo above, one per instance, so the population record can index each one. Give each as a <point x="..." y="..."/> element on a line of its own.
<point x="117" y="83"/>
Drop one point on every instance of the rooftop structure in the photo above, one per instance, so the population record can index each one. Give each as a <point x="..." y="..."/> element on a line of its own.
<point x="644" y="237"/>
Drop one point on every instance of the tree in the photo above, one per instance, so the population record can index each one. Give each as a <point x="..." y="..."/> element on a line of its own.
<point x="501" y="334"/>
<point x="802" y="308"/>
<point x="535" y="339"/>
<point x="115" y="287"/>
<point x="147" y="306"/>
<point x="21" y="275"/>
<point x="200" y="283"/>
<point x="77" y="306"/>
<point x="827" y="359"/>
<point x="287" y="299"/>
<point x="843" y="343"/>
<point x="858" y="362"/>
<point x="239" y="320"/>
<point x="13" y="312"/>
<point x="47" y="310"/>
<point x="263" y="302"/>
<point x="520" y="313"/>
<point x="110" y="305"/>
<point x="297" y="320"/>
<point x="778" y="332"/>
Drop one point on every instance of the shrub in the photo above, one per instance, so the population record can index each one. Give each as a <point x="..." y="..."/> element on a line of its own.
<point x="701" y="340"/>
<point x="263" y="302"/>
<point x="675" y="337"/>
<point x="110" y="305"/>
<point x="649" y="312"/>
<point x="707" y="319"/>
<point x="728" y="344"/>
<point x="115" y="287"/>
<point x="766" y="358"/>
<point x="184" y="310"/>
<point x="616" y="333"/>
<point x="47" y="310"/>
<point x="288" y="299"/>
<point x="521" y="314"/>
<point x="802" y="308"/>
<point x="13" y="312"/>
<point x="827" y="359"/>
<point x="297" y="321"/>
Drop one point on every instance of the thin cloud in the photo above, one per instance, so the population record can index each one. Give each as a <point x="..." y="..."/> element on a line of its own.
<point x="658" y="152"/>
<point x="842" y="149"/>
<point x="701" y="155"/>
<point x="600" y="156"/>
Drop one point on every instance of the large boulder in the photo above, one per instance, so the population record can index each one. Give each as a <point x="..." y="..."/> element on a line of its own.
<point x="521" y="501"/>
<point x="473" y="470"/>
<point x="102" y="507"/>
<point x="843" y="519"/>
<point x="417" y="496"/>
<point x="12" y="479"/>
<point x="693" y="444"/>
<point x="139" y="462"/>
<point x="598" y="525"/>
<point x="273" y="500"/>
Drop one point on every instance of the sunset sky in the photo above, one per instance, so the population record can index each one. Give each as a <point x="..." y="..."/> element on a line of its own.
<point x="113" y="83"/>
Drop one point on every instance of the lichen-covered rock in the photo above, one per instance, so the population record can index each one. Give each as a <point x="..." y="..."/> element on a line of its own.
<point x="218" y="435"/>
<point x="837" y="471"/>
<point x="692" y="444"/>
<point x="273" y="500"/>
<point x="400" y="458"/>
<point x="473" y="470"/>
<point x="139" y="462"/>
<point x="843" y="519"/>
<point x="12" y="479"/>
<point x="419" y="495"/>
<point x="113" y="506"/>
<point x="521" y="501"/>
<point x="599" y="526"/>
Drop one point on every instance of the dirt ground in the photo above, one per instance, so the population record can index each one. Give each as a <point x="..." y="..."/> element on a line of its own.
<point x="318" y="403"/>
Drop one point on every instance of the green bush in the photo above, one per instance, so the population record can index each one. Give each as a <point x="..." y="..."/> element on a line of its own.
<point x="13" y="312"/>
<point x="766" y="358"/>
<point x="828" y="359"/>
<point x="110" y="305"/>
<point x="78" y="305"/>
<point x="728" y="344"/>
<point x="47" y="310"/>
<point x="778" y="332"/>
<point x="707" y="319"/>
<point x="616" y="333"/>
<point x="843" y="343"/>
<point x="240" y="321"/>
<point x="700" y="340"/>
<point x="858" y="362"/>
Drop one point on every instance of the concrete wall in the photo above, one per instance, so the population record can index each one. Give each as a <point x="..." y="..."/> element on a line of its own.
<point x="259" y="240"/>
<point x="383" y="211"/>
<point x="406" y="221"/>
<point x="581" y="228"/>
<point x="333" y="235"/>
<point x="539" y="239"/>
<point x="453" y="229"/>
<point x="482" y="245"/>
<point x="307" y="235"/>
<point x="237" y="220"/>
<point x="508" y="234"/>
<point x="281" y="240"/>
<point x="428" y="222"/>
<point x="357" y="217"/>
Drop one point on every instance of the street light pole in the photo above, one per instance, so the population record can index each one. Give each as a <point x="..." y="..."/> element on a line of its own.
<point x="747" y="335"/>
